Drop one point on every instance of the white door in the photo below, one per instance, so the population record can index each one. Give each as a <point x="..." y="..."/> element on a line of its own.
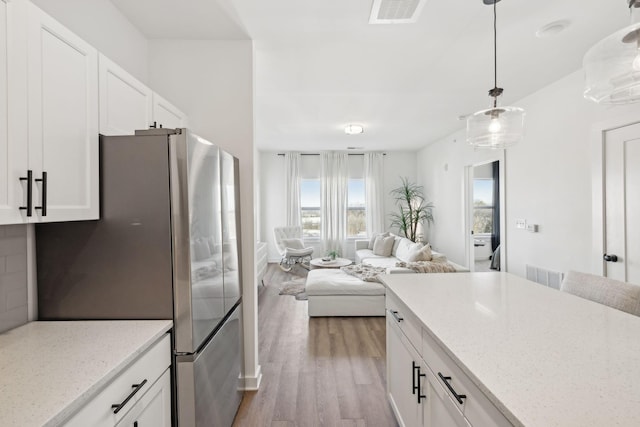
<point x="125" y="103"/>
<point x="13" y="117"/>
<point x="622" y="203"/>
<point x="167" y="115"/>
<point x="63" y="121"/>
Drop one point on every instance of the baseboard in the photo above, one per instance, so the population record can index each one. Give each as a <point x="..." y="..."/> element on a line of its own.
<point x="253" y="383"/>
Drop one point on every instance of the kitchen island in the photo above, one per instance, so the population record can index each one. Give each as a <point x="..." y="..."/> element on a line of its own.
<point x="51" y="370"/>
<point x="539" y="356"/>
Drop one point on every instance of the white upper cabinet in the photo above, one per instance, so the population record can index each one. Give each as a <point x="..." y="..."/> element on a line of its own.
<point x="125" y="102"/>
<point x="13" y="111"/>
<point x="63" y="121"/>
<point x="167" y="115"/>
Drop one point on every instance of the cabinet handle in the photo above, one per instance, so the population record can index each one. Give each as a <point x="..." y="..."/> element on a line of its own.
<point x="394" y="313"/>
<point x="446" y="380"/>
<point x="413" y="377"/>
<point x="420" y="396"/>
<point x="29" y="179"/>
<point x="135" y="424"/>
<point x="154" y="125"/>
<point x="44" y="193"/>
<point x="136" y="388"/>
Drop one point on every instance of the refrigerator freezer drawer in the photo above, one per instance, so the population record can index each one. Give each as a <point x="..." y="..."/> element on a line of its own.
<point x="209" y="382"/>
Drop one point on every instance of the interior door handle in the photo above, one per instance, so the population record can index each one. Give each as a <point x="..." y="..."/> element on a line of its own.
<point x="610" y="258"/>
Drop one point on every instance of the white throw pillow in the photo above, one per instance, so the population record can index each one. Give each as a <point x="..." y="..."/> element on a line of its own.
<point x="402" y="248"/>
<point x="373" y="238"/>
<point x="420" y="254"/>
<point x="383" y="245"/>
<point x="293" y="243"/>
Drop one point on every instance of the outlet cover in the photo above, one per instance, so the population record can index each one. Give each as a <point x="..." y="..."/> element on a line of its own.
<point x="521" y="223"/>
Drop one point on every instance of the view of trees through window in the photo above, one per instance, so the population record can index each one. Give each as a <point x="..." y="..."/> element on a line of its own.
<point x="310" y="208"/>
<point x="483" y="206"/>
<point x="356" y="213"/>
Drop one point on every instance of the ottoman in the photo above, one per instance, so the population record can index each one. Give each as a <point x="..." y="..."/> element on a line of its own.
<point x="332" y="292"/>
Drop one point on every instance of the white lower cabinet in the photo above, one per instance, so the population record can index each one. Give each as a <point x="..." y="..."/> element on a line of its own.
<point x="425" y="387"/>
<point x="140" y="395"/>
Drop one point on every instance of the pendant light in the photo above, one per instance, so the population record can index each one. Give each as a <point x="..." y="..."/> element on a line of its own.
<point x="497" y="127"/>
<point x="612" y="66"/>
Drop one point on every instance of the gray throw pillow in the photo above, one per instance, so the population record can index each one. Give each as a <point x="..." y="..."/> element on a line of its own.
<point x="383" y="246"/>
<point x="373" y="238"/>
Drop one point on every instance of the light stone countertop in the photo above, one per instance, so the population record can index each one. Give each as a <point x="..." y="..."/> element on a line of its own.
<point x="544" y="358"/>
<point x="48" y="370"/>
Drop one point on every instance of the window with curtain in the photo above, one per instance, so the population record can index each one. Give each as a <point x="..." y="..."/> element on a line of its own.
<point x="483" y="206"/>
<point x="356" y="209"/>
<point x="310" y="208"/>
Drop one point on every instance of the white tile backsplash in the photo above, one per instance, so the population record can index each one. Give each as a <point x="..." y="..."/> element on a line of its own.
<point x="13" y="276"/>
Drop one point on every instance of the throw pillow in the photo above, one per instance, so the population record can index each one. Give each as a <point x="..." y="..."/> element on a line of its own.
<point x="383" y="246"/>
<point x="420" y="254"/>
<point x="200" y="250"/>
<point x="373" y="238"/>
<point x="293" y="243"/>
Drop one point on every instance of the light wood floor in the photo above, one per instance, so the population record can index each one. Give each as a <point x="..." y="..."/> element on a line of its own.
<point x="324" y="371"/>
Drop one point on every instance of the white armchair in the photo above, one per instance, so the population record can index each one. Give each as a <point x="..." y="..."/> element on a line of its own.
<point x="291" y="247"/>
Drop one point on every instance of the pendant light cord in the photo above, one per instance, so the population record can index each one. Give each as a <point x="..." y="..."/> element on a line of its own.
<point x="495" y="54"/>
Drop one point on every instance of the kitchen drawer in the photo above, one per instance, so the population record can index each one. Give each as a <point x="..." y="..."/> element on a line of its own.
<point x="476" y="407"/>
<point x="149" y="366"/>
<point x="405" y="319"/>
<point x="154" y="408"/>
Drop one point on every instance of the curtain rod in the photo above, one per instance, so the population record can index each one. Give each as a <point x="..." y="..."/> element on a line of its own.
<point x="317" y="154"/>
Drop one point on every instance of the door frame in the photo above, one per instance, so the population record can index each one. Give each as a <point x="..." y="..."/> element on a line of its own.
<point x="500" y="157"/>
<point x="598" y="133"/>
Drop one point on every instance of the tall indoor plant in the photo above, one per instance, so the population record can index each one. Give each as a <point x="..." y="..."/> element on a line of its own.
<point x="413" y="209"/>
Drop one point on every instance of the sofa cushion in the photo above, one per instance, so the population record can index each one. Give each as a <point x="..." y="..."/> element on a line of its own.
<point x="385" y="262"/>
<point x="383" y="246"/>
<point x="293" y="243"/>
<point x="373" y="238"/>
<point x="329" y="281"/>
<point x="405" y="248"/>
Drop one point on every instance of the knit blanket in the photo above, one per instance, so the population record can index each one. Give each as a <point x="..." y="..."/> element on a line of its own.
<point x="364" y="272"/>
<point x="427" y="266"/>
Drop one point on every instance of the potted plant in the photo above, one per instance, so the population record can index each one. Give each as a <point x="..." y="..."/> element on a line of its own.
<point x="413" y="209"/>
<point x="333" y="255"/>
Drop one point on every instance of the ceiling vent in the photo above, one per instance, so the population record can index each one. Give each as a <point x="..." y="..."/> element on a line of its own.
<point x="395" y="11"/>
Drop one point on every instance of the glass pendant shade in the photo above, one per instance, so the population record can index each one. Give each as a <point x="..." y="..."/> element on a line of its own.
<point x="612" y="68"/>
<point x="498" y="127"/>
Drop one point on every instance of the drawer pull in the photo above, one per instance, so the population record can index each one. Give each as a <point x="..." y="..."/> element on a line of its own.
<point x="413" y="377"/>
<point x="446" y="380"/>
<point x="394" y="313"/>
<point x="420" y="396"/>
<point x="136" y="388"/>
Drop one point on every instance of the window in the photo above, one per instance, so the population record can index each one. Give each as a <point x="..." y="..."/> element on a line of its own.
<point x="356" y="213"/>
<point x="310" y="207"/>
<point x="483" y="206"/>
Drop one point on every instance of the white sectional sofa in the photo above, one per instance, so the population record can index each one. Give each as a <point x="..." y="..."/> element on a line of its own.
<point x="335" y="293"/>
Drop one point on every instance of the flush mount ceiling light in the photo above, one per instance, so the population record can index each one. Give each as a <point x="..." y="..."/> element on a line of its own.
<point x="612" y="66"/>
<point x="497" y="127"/>
<point x="552" y="28"/>
<point x="353" y="129"/>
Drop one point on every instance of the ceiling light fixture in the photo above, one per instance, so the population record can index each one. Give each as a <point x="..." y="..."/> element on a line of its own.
<point x="497" y="127"/>
<point x="353" y="129"/>
<point x="552" y="28"/>
<point x="612" y="66"/>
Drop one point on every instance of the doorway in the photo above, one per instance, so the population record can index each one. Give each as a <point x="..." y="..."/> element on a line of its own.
<point x="484" y="207"/>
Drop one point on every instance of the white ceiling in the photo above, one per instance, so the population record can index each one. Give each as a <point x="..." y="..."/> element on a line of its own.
<point x="320" y="65"/>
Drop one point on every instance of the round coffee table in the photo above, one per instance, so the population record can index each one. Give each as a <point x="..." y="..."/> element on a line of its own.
<point x="336" y="263"/>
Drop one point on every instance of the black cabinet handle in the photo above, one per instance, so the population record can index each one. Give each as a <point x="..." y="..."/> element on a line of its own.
<point x="610" y="258"/>
<point x="413" y="377"/>
<point x="420" y="396"/>
<point x="29" y="179"/>
<point x="446" y="380"/>
<point x="136" y="388"/>
<point x="394" y="313"/>
<point x="43" y="207"/>
<point x="135" y="424"/>
<point x="154" y="125"/>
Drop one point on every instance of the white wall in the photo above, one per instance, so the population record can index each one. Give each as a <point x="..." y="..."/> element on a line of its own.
<point x="272" y="197"/>
<point x="212" y="82"/>
<point x="104" y="27"/>
<point x="548" y="181"/>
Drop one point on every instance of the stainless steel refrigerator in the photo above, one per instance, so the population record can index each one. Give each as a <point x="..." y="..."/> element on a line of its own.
<point x="166" y="246"/>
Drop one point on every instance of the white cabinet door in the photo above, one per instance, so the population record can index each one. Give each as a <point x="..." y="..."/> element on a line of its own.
<point x="63" y="121"/>
<point x="402" y="374"/>
<point x="154" y="408"/>
<point x="125" y="103"/>
<point x="439" y="409"/>
<point x="13" y="112"/>
<point x="166" y="115"/>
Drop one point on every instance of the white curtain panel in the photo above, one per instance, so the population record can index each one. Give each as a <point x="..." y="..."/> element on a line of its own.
<point x="374" y="192"/>
<point x="292" y="188"/>
<point x="335" y="179"/>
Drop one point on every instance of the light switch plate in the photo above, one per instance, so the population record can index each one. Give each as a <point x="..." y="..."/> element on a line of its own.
<point x="521" y="223"/>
